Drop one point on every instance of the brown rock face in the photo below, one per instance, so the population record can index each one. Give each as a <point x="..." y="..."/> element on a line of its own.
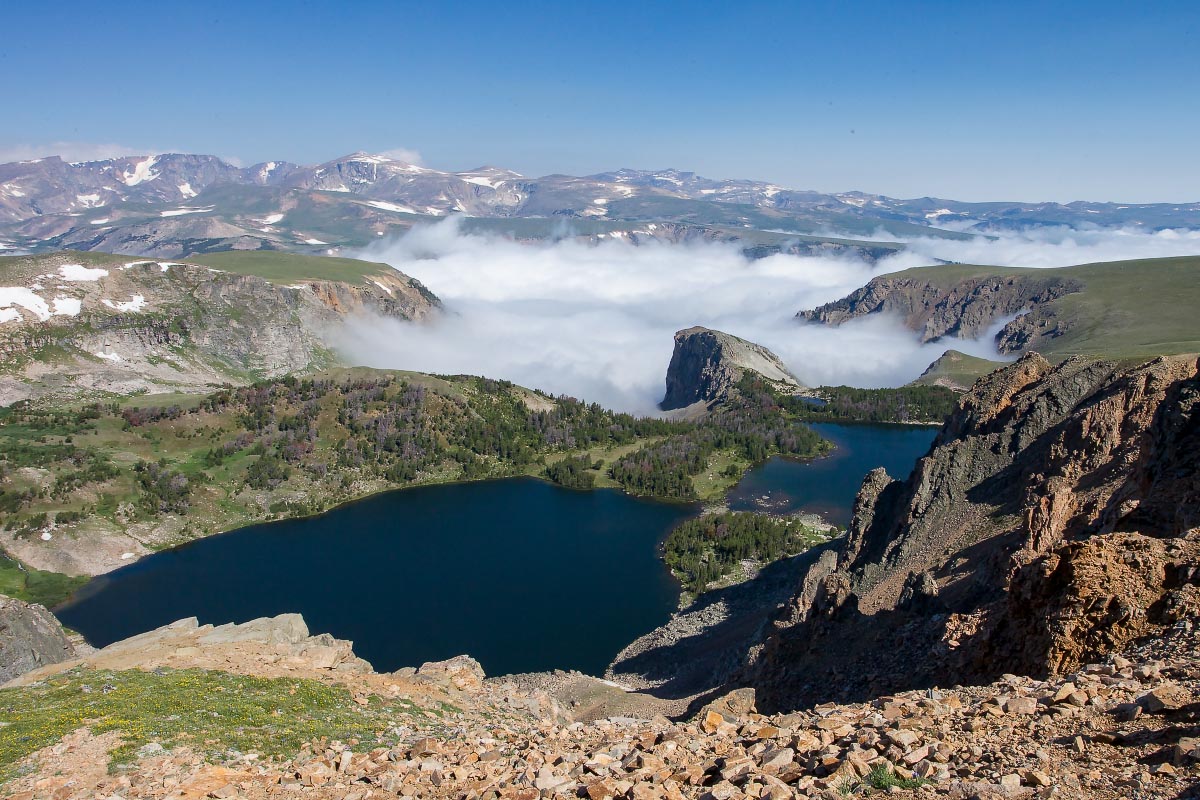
<point x="964" y="309"/>
<point x="1054" y="520"/>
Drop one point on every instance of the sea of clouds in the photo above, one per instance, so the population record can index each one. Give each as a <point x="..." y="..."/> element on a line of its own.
<point x="596" y="321"/>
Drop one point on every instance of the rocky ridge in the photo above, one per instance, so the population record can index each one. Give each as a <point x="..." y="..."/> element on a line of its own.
<point x="1053" y="521"/>
<point x="706" y="366"/>
<point x="71" y="323"/>
<point x="48" y="197"/>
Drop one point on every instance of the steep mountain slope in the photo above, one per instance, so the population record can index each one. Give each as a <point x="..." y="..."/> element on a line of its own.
<point x="706" y="365"/>
<point x="74" y="322"/>
<point x="1054" y="520"/>
<point x="1114" y="309"/>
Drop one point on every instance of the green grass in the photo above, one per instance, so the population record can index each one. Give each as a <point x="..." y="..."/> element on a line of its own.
<point x="882" y="778"/>
<point x="269" y="716"/>
<point x="35" y="586"/>
<point x="284" y="268"/>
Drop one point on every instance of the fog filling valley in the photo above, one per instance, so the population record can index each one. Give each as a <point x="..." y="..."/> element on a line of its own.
<point x="596" y="321"/>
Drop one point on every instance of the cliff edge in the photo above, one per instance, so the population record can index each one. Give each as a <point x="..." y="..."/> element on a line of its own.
<point x="707" y="364"/>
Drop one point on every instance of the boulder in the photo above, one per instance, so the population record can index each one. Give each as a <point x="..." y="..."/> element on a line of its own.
<point x="30" y="637"/>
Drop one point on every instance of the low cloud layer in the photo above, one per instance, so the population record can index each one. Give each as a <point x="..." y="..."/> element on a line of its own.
<point x="1050" y="247"/>
<point x="596" y="321"/>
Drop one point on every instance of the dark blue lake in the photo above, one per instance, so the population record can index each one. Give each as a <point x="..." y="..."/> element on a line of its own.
<point x="519" y="573"/>
<point x="827" y="486"/>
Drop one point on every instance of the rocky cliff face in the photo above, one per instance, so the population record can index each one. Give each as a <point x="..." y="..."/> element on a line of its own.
<point x="708" y="364"/>
<point x="30" y="637"/>
<point x="964" y="309"/>
<point x="1054" y="520"/>
<point x="70" y="324"/>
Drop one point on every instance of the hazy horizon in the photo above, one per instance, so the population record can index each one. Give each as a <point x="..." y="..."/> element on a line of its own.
<point x="961" y="101"/>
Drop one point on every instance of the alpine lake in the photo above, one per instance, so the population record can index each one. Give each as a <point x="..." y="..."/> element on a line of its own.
<point x="518" y="572"/>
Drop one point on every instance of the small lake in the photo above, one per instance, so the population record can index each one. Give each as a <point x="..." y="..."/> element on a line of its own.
<point x="519" y="573"/>
<point x="827" y="486"/>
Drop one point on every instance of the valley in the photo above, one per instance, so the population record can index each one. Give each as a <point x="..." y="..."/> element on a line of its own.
<point x="192" y="472"/>
<point x="566" y="401"/>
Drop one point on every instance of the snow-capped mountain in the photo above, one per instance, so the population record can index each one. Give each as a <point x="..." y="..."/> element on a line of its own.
<point x="173" y="204"/>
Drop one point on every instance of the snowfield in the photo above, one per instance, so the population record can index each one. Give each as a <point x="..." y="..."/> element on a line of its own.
<point x="78" y="272"/>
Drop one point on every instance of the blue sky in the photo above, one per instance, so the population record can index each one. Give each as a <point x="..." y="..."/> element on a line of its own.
<point x="1029" y="101"/>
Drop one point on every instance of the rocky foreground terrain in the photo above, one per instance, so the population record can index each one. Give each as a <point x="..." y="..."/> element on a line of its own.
<point x="1122" y="727"/>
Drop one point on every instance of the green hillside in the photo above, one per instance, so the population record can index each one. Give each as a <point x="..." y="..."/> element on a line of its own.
<point x="1124" y="309"/>
<point x="956" y="370"/>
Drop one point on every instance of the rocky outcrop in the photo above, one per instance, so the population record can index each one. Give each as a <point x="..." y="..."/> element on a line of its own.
<point x="269" y="646"/>
<point x="1054" y="520"/>
<point x="30" y="637"/>
<point x="706" y="366"/>
<point x="935" y="307"/>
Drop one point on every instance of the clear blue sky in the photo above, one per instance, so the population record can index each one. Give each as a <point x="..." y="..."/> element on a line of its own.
<point x="970" y="100"/>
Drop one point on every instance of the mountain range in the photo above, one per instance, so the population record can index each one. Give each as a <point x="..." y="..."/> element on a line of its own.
<point x="173" y="205"/>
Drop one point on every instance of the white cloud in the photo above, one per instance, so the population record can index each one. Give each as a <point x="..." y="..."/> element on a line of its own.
<point x="597" y="321"/>
<point x="69" y="151"/>
<point x="1048" y="247"/>
<point x="403" y="154"/>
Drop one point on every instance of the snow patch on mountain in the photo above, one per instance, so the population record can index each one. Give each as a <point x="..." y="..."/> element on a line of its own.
<point x="136" y="304"/>
<point x="78" y="272"/>
<point x="385" y="206"/>
<point x="25" y="298"/>
<point x="176" y="212"/>
<point x="479" y="180"/>
<point x="67" y="306"/>
<point x="142" y="171"/>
